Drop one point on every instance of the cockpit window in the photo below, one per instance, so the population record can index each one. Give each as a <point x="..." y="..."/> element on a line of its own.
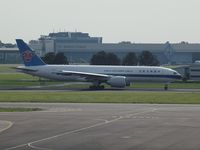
<point x="175" y="73"/>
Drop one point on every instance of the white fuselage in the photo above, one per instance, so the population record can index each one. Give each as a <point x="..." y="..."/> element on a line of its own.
<point x="132" y="73"/>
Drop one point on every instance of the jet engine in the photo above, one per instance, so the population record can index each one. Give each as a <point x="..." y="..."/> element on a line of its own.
<point x="117" y="81"/>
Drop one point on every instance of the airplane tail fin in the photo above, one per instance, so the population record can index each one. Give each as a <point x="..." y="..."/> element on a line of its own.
<point x="28" y="55"/>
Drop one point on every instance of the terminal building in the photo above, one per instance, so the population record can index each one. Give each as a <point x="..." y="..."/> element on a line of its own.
<point x="9" y="56"/>
<point x="80" y="47"/>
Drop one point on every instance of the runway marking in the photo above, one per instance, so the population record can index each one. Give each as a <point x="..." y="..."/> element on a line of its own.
<point x="9" y="124"/>
<point x="18" y="146"/>
<point x="126" y="137"/>
<point x="65" y="110"/>
<point x="105" y="122"/>
<point x="144" y="117"/>
<point x="38" y="148"/>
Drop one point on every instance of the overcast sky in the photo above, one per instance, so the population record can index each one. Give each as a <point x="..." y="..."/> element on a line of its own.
<point x="140" y="21"/>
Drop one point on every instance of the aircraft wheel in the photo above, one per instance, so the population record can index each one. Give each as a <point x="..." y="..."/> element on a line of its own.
<point x="166" y="87"/>
<point x="99" y="87"/>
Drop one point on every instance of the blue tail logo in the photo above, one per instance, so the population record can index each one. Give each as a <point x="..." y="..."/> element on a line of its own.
<point x="28" y="56"/>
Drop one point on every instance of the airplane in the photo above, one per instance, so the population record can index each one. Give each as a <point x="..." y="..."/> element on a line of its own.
<point x="115" y="76"/>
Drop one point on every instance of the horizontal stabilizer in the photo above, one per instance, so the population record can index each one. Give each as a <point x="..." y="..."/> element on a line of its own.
<point x="25" y="69"/>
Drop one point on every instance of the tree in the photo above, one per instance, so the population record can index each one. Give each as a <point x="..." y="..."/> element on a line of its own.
<point x="60" y="58"/>
<point x="130" y="59"/>
<point x="52" y="58"/>
<point x="103" y="58"/>
<point x="147" y="59"/>
<point x="49" y="58"/>
<point x="98" y="58"/>
<point x="112" y="59"/>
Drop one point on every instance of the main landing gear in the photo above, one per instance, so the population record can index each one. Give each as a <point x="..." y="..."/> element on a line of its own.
<point x="101" y="87"/>
<point x="97" y="86"/>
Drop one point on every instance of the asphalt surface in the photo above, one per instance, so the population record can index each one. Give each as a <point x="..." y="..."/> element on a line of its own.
<point x="102" y="127"/>
<point x="107" y="89"/>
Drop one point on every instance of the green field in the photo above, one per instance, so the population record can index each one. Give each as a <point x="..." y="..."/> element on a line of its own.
<point x="18" y="80"/>
<point x="102" y="97"/>
<point x="176" y="85"/>
<point x="7" y="68"/>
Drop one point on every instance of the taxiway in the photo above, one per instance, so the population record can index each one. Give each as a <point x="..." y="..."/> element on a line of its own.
<point x="102" y="126"/>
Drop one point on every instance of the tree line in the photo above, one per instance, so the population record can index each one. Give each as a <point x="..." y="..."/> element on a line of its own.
<point x="52" y="58"/>
<point x="146" y="58"/>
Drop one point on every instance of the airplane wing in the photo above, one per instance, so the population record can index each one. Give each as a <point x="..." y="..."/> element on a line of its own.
<point x="88" y="76"/>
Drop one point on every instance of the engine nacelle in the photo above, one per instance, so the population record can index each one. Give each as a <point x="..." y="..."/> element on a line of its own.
<point x="117" y="81"/>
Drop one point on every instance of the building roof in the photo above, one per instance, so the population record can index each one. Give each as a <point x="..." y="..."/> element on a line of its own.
<point x="9" y="49"/>
<point x="121" y="47"/>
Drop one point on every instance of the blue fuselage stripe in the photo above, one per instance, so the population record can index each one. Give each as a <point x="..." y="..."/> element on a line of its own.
<point x="149" y="76"/>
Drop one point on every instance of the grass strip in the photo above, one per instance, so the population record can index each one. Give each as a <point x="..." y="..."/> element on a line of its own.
<point x="102" y="97"/>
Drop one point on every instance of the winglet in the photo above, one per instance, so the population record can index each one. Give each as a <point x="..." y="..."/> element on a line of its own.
<point x="28" y="55"/>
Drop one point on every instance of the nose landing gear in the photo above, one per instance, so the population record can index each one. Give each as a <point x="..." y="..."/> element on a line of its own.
<point x="166" y="87"/>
